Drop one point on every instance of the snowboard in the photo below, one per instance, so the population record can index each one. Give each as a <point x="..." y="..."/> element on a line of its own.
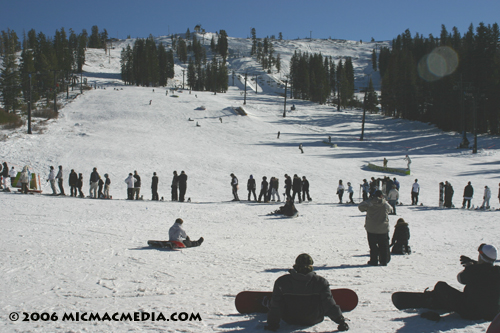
<point x="166" y="244"/>
<point x="253" y="301"/>
<point x="408" y="300"/>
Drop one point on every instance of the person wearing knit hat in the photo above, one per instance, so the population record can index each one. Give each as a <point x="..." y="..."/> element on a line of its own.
<point x="177" y="233"/>
<point x="295" y="298"/>
<point x="399" y="242"/>
<point x="480" y="298"/>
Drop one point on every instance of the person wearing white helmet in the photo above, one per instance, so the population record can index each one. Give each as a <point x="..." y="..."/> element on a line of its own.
<point x="480" y="298"/>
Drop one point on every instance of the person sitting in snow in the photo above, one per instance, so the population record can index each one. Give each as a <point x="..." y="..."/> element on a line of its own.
<point x="303" y="298"/>
<point x="400" y="237"/>
<point x="480" y="298"/>
<point x="177" y="233"/>
<point x="288" y="209"/>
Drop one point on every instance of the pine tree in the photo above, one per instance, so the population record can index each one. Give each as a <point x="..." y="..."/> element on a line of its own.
<point x="254" y="42"/>
<point x="374" y="60"/>
<point x="10" y="82"/>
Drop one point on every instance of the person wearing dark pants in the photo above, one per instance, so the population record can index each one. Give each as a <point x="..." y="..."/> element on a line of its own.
<point x="182" y="185"/>
<point x="175" y="185"/>
<point x="377" y="228"/>
<point x="154" y="187"/>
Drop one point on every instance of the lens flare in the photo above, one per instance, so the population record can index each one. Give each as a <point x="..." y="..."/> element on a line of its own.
<point x="442" y="61"/>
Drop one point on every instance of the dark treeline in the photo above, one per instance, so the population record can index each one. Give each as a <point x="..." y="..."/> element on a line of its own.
<point x="44" y="58"/>
<point x="443" y="80"/>
<point x="147" y="64"/>
<point x="317" y="78"/>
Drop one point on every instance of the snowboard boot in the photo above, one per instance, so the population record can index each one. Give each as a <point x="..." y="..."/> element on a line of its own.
<point x="200" y="241"/>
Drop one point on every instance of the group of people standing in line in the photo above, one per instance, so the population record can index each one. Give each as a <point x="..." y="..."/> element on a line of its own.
<point x="178" y="187"/>
<point x="269" y="190"/>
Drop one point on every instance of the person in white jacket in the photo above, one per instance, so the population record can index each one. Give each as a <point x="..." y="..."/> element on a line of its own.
<point x="12" y="175"/>
<point x="486" y="198"/>
<point x="393" y="198"/>
<point x="130" y="180"/>
<point x="52" y="180"/>
<point x="24" y="178"/>
<point x="177" y="233"/>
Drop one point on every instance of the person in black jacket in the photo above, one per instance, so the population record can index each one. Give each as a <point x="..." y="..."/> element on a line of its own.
<point x="263" y="189"/>
<point x="480" y="298"/>
<point x="79" y="184"/>
<point x="468" y="194"/>
<point x="448" y="195"/>
<point x="288" y="186"/>
<point x="305" y="189"/>
<point x="137" y="185"/>
<point x="303" y="298"/>
<point x="73" y="182"/>
<point x="251" y="186"/>
<point x="182" y="185"/>
<point x="400" y="237"/>
<point x="296" y="187"/>
<point x="175" y="185"/>
<point x="154" y="187"/>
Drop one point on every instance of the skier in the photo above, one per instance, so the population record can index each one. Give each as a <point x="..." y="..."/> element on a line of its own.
<point x="480" y="298"/>
<point x="366" y="189"/>
<point x="301" y="150"/>
<point x="296" y="187"/>
<point x="393" y="198"/>
<point x="400" y="237"/>
<point x="24" y="178"/>
<point x="415" y="191"/>
<point x="408" y="161"/>
<point x="303" y="298"/>
<point x="177" y="233"/>
<point x="73" y="179"/>
<point x="94" y="183"/>
<point x="263" y="189"/>
<point x="305" y="189"/>
<point x="251" y="186"/>
<point x="60" y="180"/>
<point x="182" y="185"/>
<point x="385" y="162"/>
<point x="137" y="185"/>
<point x="52" y="179"/>
<point x="448" y="194"/>
<point x="377" y="228"/>
<point x="340" y="191"/>
<point x="468" y="194"/>
<point x="486" y="198"/>
<point x="130" y="181"/>
<point x="107" y="185"/>
<point x="351" y="192"/>
<point x="154" y="187"/>
<point x="175" y="184"/>
<point x="234" y="186"/>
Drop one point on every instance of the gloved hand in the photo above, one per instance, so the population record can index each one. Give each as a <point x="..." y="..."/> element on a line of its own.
<point x="466" y="261"/>
<point x="343" y="326"/>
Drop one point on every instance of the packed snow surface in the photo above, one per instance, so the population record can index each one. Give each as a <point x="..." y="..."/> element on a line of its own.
<point x="64" y="255"/>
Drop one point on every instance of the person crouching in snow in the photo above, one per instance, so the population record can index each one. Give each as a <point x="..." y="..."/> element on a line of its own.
<point x="303" y="298"/>
<point x="288" y="209"/>
<point x="399" y="242"/>
<point x="177" y="233"/>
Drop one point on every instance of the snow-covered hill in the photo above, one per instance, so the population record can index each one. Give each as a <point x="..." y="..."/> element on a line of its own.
<point x="68" y="255"/>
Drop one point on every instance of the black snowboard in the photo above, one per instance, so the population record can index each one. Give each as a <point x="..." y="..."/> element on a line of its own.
<point x="407" y="300"/>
